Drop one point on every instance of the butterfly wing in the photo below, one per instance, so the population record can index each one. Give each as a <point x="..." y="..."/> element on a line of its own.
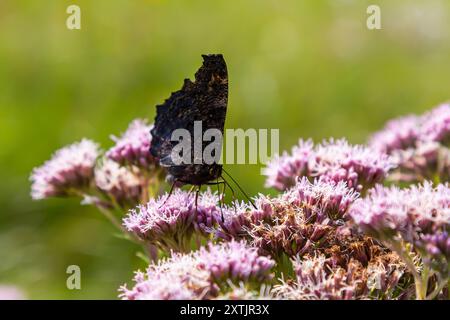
<point x="204" y="100"/>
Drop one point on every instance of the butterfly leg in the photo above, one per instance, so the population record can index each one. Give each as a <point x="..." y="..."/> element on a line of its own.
<point x="226" y="184"/>
<point x="170" y="193"/>
<point x="221" y="199"/>
<point x="196" y="199"/>
<point x="221" y="196"/>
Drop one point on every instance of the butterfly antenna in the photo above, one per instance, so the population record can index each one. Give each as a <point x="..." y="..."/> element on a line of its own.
<point x="191" y="189"/>
<point x="226" y="184"/>
<point x="242" y="190"/>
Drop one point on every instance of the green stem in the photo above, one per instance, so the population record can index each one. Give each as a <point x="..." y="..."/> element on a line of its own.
<point x="439" y="286"/>
<point x="420" y="281"/>
<point x="102" y="207"/>
<point x="284" y="268"/>
<point x="448" y="289"/>
<point x="112" y="218"/>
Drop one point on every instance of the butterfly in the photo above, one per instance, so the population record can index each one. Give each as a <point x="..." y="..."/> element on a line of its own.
<point x="204" y="99"/>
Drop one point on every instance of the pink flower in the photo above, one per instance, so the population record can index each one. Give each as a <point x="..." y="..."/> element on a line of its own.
<point x="283" y="170"/>
<point x="175" y="278"/>
<point x="325" y="199"/>
<point x="8" y="292"/>
<point x="418" y="215"/>
<point x="133" y="147"/>
<point x="170" y="221"/>
<point x="333" y="160"/>
<point x="234" y="261"/>
<point x="316" y="281"/>
<point x="202" y="274"/>
<point x="70" y="169"/>
<point x="418" y="145"/>
<point x="360" y="167"/>
<point x="398" y="134"/>
<point x="234" y="222"/>
<point x="436" y="125"/>
<point x="118" y="182"/>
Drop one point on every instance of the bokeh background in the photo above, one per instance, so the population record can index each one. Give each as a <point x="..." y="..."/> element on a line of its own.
<point x="309" y="68"/>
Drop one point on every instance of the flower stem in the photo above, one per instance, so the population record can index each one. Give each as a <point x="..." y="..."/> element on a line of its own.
<point x="420" y="281"/>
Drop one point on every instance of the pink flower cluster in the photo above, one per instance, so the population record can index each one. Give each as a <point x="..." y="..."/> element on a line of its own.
<point x="204" y="274"/>
<point x="418" y="145"/>
<point x="170" y="221"/>
<point x="418" y="215"/>
<point x="70" y="169"/>
<point x="322" y="199"/>
<point x="292" y="223"/>
<point x="316" y="281"/>
<point x="331" y="161"/>
<point x="121" y="183"/>
<point x="132" y="148"/>
<point x="122" y="178"/>
<point x="234" y="261"/>
<point x="333" y="233"/>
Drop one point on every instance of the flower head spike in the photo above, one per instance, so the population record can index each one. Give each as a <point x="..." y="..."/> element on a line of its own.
<point x="133" y="147"/>
<point x="70" y="169"/>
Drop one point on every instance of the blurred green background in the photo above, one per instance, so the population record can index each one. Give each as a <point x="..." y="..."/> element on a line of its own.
<point x="309" y="68"/>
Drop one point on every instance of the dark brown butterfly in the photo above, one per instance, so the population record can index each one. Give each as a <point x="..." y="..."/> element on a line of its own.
<point x="203" y="100"/>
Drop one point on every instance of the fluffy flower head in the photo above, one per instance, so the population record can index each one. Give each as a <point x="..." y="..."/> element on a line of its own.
<point x="133" y="147"/>
<point x="70" y="168"/>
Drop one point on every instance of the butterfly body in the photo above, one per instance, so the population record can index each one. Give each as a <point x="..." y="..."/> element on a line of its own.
<point x="203" y="100"/>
